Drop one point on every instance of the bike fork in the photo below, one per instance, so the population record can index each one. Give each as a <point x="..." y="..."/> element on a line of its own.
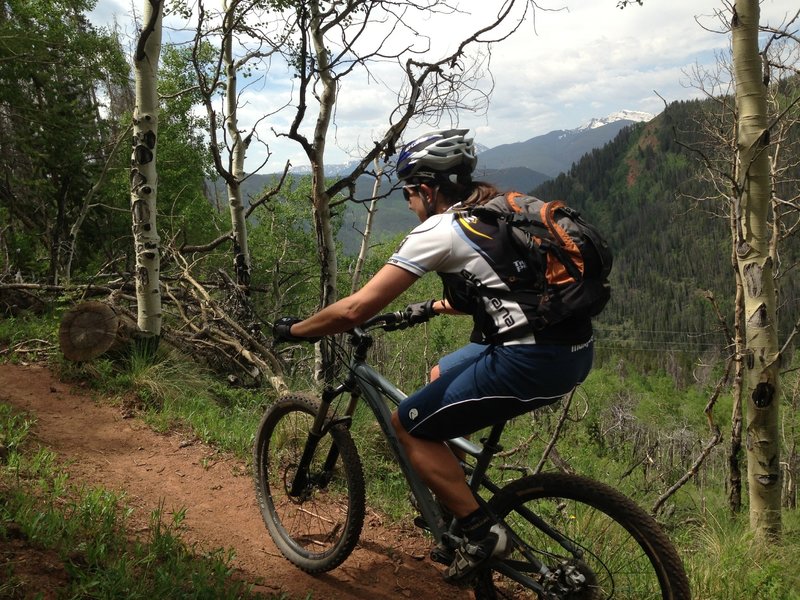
<point x="319" y="428"/>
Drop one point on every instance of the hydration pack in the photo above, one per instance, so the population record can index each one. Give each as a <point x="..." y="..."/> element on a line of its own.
<point x="563" y="261"/>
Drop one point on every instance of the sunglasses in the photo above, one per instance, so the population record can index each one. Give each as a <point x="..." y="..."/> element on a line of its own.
<point x="408" y="190"/>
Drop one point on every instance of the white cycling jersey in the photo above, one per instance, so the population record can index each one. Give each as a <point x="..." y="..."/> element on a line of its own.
<point x="461" y="249"/>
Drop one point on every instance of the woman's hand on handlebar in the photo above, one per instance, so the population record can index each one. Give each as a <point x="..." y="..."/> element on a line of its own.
<point x="420" y="312"/>
<point x="413" y="314"/>
<point x="282" y="331"/>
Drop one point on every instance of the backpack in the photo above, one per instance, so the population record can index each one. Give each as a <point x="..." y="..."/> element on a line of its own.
<point x="565" y="260"/>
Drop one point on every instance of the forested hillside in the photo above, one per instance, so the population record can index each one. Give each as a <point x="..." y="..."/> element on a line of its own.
<point x="670" y="249"/>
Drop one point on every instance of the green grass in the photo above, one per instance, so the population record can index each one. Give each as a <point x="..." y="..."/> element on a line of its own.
<point x="725" y="562"/>
<point x="721" y="557"/>
<point x="28" y="337"/>
<point x="84" y="532"/>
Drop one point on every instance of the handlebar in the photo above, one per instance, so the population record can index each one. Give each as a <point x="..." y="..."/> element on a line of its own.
<point x="362" y="340"/>
<point x="388" y="322"/>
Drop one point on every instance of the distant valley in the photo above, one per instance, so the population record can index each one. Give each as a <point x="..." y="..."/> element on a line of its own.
<point x="518" y="166"/>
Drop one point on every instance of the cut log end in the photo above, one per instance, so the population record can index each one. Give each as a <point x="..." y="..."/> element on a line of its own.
<point x="91" y="329"/>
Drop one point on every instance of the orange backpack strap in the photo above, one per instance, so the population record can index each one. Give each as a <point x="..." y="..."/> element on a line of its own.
<point x="558" y="272"/>
<point x="511" y="198"/>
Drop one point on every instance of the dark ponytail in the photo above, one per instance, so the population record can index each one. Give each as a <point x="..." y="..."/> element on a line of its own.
<point x="473" y="194"/>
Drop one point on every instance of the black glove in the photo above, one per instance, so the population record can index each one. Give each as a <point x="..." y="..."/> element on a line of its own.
<point x="281" y="331"/>
<point x="420" y="312"/>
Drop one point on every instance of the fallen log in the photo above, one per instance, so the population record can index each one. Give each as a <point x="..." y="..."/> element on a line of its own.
<point x="16" y="302"/>
<point x="92" y="329"/>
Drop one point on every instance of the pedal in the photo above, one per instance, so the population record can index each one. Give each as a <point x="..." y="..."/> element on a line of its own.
<point x="420" y="522"/>
<point x="442" y="554"/>
<point x="445" y="551"/>
<point x="450" y="540"/>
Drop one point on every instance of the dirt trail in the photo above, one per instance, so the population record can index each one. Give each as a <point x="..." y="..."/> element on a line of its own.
<point x="102" y="448"/>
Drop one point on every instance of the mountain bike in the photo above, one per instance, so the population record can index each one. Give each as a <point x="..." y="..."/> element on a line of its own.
<point x="573" y="538"/>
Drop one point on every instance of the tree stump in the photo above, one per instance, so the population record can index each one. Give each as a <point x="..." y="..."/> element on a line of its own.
<point x="92" y="329"/>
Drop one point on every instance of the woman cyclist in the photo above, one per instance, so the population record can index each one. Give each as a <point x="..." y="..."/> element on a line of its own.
<point x="508" y="369"/>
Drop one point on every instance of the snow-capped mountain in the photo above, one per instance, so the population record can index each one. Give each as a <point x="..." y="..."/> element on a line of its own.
<point x="622" y="115"/>
<point x="547" y="154"/>
<point x="554" y="152"/>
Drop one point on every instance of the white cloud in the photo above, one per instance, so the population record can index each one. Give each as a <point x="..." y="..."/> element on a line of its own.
<point x="588" y="61"/>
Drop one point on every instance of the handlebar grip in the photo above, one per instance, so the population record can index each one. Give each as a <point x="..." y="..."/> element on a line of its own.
<point x="388" y="321"/>
<point x="394" y="320"/>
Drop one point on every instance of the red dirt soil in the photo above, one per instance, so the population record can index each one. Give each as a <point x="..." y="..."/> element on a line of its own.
<point x="100" y="447"/>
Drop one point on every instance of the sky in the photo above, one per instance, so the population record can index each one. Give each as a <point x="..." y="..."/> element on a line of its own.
<point x="579" y="60"/>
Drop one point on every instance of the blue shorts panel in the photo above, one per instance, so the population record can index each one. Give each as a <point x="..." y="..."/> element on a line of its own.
<point x="500" y="382"/>
<point x="461" y="357"/>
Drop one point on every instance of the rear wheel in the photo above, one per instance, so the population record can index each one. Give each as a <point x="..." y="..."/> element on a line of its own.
<point x="316" y="524"/>
<point x="619" y="552"/>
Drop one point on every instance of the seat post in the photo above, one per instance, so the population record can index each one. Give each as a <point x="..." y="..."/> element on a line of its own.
<point x="491" y="446"/>
<point x="493" y="440"/>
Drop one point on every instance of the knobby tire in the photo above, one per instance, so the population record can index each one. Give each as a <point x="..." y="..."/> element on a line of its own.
<point x="318" y="529"/>
<point x="626" y="555"/>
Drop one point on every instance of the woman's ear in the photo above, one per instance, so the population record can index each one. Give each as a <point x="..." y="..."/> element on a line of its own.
<point x="433" y="197"/>
<point x="425" y="191"/>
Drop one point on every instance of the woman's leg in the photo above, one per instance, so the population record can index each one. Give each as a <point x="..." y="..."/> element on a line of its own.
<point x="439" y="468"/>
<point x="455" y="360"/>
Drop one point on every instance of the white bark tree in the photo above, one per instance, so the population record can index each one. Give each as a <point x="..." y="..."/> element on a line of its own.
<point x="756" y="263"/>
<point x="332" y="44"/>
<point x="247" y="36"/>
<point x="144" y="178"/>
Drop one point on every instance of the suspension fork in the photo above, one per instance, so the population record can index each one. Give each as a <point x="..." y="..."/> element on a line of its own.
<point x="319" y="428"/>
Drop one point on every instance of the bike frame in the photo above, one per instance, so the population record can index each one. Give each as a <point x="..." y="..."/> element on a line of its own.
<point x="363" y="382"/>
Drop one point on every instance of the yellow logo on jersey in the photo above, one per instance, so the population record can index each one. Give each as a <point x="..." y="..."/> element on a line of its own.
<point x="466" y="223"/>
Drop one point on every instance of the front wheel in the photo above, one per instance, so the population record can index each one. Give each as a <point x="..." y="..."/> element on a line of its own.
<point x="314" y="519"/>
<point x="616" y="550"/>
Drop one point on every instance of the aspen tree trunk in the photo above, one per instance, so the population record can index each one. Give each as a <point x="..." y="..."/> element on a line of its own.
<point x="326" y="244"/>
<point x="364" y="247"/>
<point x="144" y="180"/>
<point x="241" y="251"/>
<point x="755" y="265"/>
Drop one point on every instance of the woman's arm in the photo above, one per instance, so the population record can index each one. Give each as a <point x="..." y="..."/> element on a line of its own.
<point x="442" y="307"/>
<point x="386" y="285"/>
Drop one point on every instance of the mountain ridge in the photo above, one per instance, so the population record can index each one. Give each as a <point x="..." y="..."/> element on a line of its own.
<point x="575" y="142"/>
<point x="556" y="151"/>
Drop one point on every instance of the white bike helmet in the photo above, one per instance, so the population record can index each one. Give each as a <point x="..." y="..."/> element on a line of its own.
<point x="438" y="155"/>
